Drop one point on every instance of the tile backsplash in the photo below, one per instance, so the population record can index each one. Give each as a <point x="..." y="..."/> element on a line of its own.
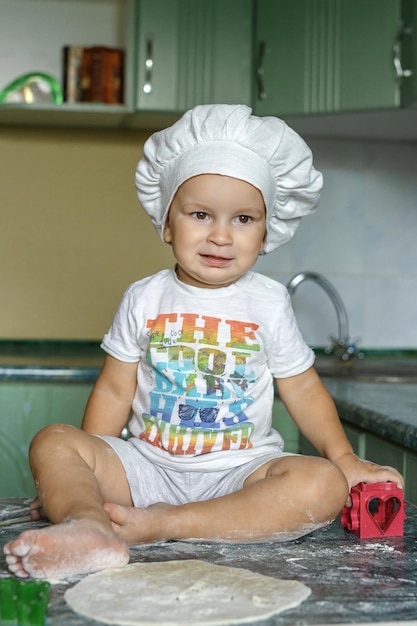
<point x="363" y="238"/>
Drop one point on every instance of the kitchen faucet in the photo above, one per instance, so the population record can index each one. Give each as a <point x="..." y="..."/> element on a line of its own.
<point x="341" y="344"/>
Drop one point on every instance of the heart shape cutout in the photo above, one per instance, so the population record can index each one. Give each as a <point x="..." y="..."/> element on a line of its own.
<point x="383" y="511"/>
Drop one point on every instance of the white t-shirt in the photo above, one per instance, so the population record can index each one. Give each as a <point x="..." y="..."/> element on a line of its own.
<point x="206" y="362"/>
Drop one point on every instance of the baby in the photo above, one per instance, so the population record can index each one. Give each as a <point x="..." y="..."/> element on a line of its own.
<point x="194" y="352"/>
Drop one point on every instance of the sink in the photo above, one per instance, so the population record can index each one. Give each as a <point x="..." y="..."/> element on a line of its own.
<point x="372" y="369"/>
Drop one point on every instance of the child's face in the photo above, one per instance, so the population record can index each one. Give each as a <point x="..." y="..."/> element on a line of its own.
<point x="216" y="225"/>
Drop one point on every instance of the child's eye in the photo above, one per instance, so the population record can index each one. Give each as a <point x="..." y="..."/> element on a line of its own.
<point x="199" y="215"/>
<point x="244" y="219"/>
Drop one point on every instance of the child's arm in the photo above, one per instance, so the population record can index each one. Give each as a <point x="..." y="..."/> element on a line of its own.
<point x="110" y="401"/>
<point x="313" y="410"/>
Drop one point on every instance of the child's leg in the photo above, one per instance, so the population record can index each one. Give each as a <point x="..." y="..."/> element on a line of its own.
<point x="284" y="499"/>
<point x="74" y="474"/>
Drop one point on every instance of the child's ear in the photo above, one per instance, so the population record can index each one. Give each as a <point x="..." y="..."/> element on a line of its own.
<point x="167" y="232"/>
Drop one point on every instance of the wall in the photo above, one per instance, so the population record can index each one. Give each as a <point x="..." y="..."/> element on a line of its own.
<point x="73" y="237"/>
<point x="363" y="239"/>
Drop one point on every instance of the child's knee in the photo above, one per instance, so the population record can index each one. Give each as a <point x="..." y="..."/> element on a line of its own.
<point x="318" y="484"/>
<point x="330" y="484"/>
<point x="49" y="438"/>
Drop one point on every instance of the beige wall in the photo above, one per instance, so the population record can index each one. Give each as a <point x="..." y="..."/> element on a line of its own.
<point x="72" y="234"/>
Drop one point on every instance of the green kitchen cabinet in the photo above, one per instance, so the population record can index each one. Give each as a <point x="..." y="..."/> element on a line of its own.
<point x="388" y="453"/>
<point x="367" y="78"/>
<point x="282" y="57"/>
<point x="285" y="425"/>
<point x="329" y="56"/>
<point x="406" y="51"/>
<point x="355" y="436"/>
<point x="382" y="451"/>
<point x="193" y="52"/>
<point x="385" y="452"/>
<point x="25" y="408"/>
<point x="410" y="477"/>
<point x="281" y="51"/>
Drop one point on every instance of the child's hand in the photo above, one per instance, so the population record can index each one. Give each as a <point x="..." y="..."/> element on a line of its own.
<point x="36" y="511"/>
<point x="357" y="470"/>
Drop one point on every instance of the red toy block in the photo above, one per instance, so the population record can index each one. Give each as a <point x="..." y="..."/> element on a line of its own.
<point x="378" y="510"/>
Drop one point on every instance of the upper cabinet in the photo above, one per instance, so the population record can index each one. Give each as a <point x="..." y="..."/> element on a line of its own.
<point x="327" y="56"/>
<point x="406" y="52"/>
<point x="308" y="59"/>
<point x="193" y="52"/>
<point x="364" y="75"/>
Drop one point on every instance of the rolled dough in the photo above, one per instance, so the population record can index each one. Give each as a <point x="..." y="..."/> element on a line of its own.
<point x="182" y="593"/>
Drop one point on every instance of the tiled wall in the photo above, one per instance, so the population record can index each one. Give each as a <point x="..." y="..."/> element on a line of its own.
<point x="363" y="239"/>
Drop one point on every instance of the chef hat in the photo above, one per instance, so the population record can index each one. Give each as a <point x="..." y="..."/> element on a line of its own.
<point x="227" y="139"/>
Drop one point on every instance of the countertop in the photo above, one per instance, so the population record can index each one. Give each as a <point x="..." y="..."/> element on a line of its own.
<point x="388" y="410"/>
<point x="352" y="580"/>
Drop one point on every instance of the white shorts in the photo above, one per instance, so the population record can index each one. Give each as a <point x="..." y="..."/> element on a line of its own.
<point x="150" y="483"/>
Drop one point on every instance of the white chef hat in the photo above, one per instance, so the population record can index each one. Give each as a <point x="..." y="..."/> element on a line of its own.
<point x="227" y="139"/>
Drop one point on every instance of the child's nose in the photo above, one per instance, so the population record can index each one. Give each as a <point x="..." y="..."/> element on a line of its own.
<point x="220" y="233"/>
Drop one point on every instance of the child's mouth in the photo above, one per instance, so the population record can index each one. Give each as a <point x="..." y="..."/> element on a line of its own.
<point x="215" y="261"/>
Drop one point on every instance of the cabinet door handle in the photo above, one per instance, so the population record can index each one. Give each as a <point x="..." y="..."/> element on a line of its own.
<point x="147" y="85"/>
<point x="399" y="71"/>
<point x="262" y="93"/>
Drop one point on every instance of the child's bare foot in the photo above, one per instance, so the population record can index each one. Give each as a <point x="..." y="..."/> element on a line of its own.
<point x="66" y="549"/>
<point x="135" y="525"/>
